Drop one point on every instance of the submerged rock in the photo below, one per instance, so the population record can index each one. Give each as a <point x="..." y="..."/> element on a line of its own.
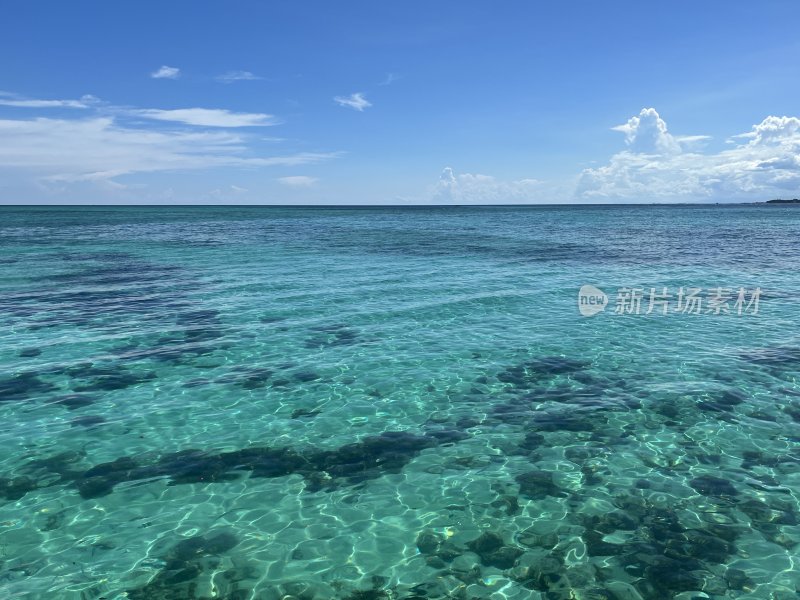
<point x="738" y="580"/>
<point x="537" y="485"/>
<point x="22" y="387"/>
<point x="118" y="380"/>
<point x="299" y="413"/>
<point x="306" y="376"/>
<point x="532" y="441"/>
<point x="75" y="401"/>
<point x="16" y="488"/>
<point x="254" y="378"/>
<point x="429" y="542"/>
<point x="199" y="545"/>
<point x="611" y="522"/>
<point x="668" y="577"/>
<point x="529" y="373"/>
<point x="725" y="402"/>
<point x="351" y="464"/>
<point x="87" y="421"/>
<point x="330" y="336"/>
<point x="708" y="485"/>
<point x="184" y="564"/>
<point x="566" y="421"/>
<point x="597" y="546"/>
<point x="493" y="551"/>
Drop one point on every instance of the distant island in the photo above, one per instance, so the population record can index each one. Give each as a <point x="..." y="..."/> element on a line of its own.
<point x="784" y="201"/>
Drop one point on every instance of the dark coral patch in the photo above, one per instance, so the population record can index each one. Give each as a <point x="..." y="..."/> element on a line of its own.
<point x="183" y="565"/>
<point x="23" y="386"/>
<point x="724" y="402"/>
<point x="75" y="401"/>
<point x="708" y="485"/>
<point x="106" y="377"/>
<point x="493" y="551"/>
<point x="537" y="485"/>
<point x="566" y="421"/>
<point x="529" y="373"/>
<point x="330" y="336"/>
<point x="351" y="464"/>
<point x="87" y="421"/>
<point x="16" y="488"/>
<point x="306" y="376"/>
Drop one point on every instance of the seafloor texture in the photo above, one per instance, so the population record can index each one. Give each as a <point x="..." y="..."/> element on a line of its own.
<point x="266" y="403"/>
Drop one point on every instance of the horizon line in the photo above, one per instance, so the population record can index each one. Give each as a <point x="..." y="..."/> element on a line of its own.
<point x="494" y="205"/>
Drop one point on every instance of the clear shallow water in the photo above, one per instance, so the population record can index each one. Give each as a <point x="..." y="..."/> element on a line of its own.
<point x="395" y="403"/>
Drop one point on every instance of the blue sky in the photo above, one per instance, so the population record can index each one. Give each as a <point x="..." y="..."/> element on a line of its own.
<point x="412" y="102"/>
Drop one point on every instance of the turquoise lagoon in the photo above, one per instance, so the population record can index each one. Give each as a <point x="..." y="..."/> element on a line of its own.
<point x="379" y="403"/>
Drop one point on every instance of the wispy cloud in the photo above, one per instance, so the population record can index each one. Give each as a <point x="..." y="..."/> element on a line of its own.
<point x="203" y="117"/>
<point x="232" y="76"/>
<point x="223" y="193"/>
<point x="389" y="79"/>
<point x="106" y="142"/>
<point x="166" y="72"/>
<point x="298" y="181"/>
<point x="7" y="99"/>
<point x="355" y="101"/>
<point x="99" y="149"/>
<point x="207" y="117"/>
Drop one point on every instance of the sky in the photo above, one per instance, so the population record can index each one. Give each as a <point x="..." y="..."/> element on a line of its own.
<point x="297" y="102"/>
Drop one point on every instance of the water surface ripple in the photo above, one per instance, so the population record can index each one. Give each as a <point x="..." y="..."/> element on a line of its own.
<point x="396" y="403"/>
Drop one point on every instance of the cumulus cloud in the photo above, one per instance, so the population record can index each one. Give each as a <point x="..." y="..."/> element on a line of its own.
<point x="297" y="181"/>
<point x="166" y="72"/>
<point x="774" y="130"/>
<point x="355" y="101"/>
<point x="647" y="133"/>
<point x="99" y="149"/>
<point x="469" y="188"/>
<point x="656" y="167"/>
<point x="232" y="76"/>
<point x="207" y="117"/>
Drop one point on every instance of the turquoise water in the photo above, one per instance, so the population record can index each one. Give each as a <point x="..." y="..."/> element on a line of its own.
<point x="368" y="403"/>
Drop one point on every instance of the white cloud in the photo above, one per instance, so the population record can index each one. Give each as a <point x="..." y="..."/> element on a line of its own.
<point x="647" y="133"/>
<point x="207" y="117"/>
<point x="469" y="188"/>
<point x="685" y="140"/>
<point x="231" y="190"/>
<point x="232" y="76"/>
<point x="389" y="79"/>
<point x="355" y="101"/>
<point x="775" y="130"/>
<point x="204" y="117"/>
<point x="657" y="169"/>
<point x="18" y="101"/>
<point x="298" y="181"/>
<point x="99" y="149"/>
<point x="166" y="72"/>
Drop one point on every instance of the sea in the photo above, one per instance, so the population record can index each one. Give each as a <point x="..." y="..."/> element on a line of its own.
<point x="387" y="403"/>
